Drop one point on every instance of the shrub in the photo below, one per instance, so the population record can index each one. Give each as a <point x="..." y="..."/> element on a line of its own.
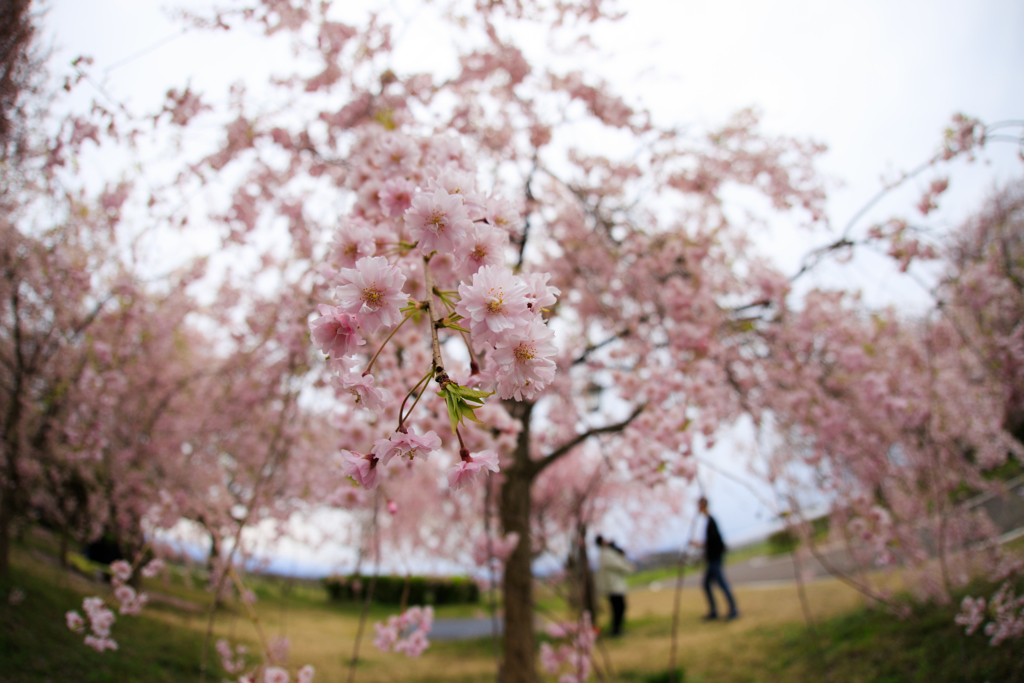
<point x="422" y="590"/>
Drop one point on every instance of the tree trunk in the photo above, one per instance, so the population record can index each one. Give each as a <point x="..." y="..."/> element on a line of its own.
<point x="520" y="646"/>
<point x="64" y="546"/>
<point x="519" y="665"/>
<point x="6" y="517"/>
<point x="581" y="579"/>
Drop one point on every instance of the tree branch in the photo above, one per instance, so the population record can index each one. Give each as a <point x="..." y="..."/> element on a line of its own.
<point x="594" y="347"/>
<point x="550" y="458"/>
<point x="526" y="223"/>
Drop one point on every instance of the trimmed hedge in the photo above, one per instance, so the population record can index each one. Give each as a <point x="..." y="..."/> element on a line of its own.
<point x="423" y="590"/>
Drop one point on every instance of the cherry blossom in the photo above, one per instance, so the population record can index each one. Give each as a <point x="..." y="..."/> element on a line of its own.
<point x="494" y="303"/>
<point x="483" y="246"/>
<point x="352" y="242"/>
<point x="405" y="445"/>
<point x="362" y="468"/>
<point x="153" y="568"/>
<point x="406" y="632"/>
<point x="438" y="222"/>
<point x="372" y="291"/>
<point x="335" y="333"/>
<point x="396" y="195"/>
<point x="972" y="614"/>
<point x="466" y="470"/>
<point x="74" y="621"/>
<point x="120" y="570"/>
<point x="232" y="660"/>
<point x="524" y="360"/>
<point x="575" y="653"/>
<point x="275" y="674"/>
<point x="371" y="397"/>
<point x="100" y="644"/>
<point x="540" y="294"/>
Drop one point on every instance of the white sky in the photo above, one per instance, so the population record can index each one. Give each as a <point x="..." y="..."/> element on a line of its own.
<point x="876" y="80"/>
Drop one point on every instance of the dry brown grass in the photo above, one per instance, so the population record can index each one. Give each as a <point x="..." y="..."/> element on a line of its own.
<point x="733" y="651"/>
<point x="718" y="651"/>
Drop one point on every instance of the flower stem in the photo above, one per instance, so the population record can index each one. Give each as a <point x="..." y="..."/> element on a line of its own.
<point x="401" y="417"/>
<point x="369" y="366"/>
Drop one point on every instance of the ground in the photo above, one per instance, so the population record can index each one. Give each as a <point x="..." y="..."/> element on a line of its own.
<point x="771" y="642"/>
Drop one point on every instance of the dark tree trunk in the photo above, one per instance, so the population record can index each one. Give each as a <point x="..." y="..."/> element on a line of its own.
<point x="519" y="665"/>
<point x="64" y="533"/>
<point x="520" y="646"/>
<point x="581" y="579"/>
<point x="6" y="517"/>
<point x="9" y="482"/>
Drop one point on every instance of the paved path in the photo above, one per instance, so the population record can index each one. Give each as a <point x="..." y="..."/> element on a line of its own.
<point x="463" y="629"/>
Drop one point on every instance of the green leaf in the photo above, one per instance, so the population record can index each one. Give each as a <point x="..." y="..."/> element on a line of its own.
<point x="468" y="413"/>
<point x="472" y="394"/>
<point x="453" y="410"/>
<point x="457" y="399"/>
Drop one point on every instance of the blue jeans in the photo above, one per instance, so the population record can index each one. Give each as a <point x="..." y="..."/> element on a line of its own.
<point x="713" y="573"/>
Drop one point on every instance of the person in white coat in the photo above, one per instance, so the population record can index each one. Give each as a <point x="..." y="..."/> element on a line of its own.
<point x="612" y="569"/>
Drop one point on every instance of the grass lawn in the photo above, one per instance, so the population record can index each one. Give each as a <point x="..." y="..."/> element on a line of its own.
<point x="771" y="642"/>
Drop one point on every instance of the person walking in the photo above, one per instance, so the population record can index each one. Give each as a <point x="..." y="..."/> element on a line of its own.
<point x="714" y="550"/>
<point x="612" y="569"/>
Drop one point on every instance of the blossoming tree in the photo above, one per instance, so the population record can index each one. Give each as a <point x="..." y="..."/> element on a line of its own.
<point x="489" y="299"/>
<point x="454" y="305"/>
<point x="904" y="421"/>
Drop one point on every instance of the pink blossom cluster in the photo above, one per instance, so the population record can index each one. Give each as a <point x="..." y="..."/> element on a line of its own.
<point x="469" y="466"/>
<point x="100" y="621"/>
<point x="364" y="468"/>
<point x="130" y="601"/>
<point x="418" y="208"/>
<point x="903" y="243"/>
<point x="1005" y="612"/>
<point x="505" y="318"/>
<point x="574" y="654"/>
<point x="278" y="674"/>
<point x="153" y="568"/>
<point x="406" y="632"/>
<point x="100" y="617"/>
<point x="232" y="660"/>
<point x="972" y="614"/>
<point x="16" y="597"/>
<point x="929" y="200"/>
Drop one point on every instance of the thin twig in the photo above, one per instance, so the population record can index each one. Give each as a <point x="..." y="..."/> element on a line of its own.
<point x="492" y="601"/>
<point x="369" y="366"/>
<point x="253" y="617"/>
<point x="265" y="472"/>
<point x="369" y="590"/>
<point x="684" y="551"/>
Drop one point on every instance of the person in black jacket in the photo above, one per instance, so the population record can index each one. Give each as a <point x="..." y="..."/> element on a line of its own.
<point x="714" y="549"/>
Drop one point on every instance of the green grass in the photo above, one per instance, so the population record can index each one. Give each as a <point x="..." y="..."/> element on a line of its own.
<point x="656" y="677"/>
<point x="873" y="645"/>
<point x="35" y="644"/>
